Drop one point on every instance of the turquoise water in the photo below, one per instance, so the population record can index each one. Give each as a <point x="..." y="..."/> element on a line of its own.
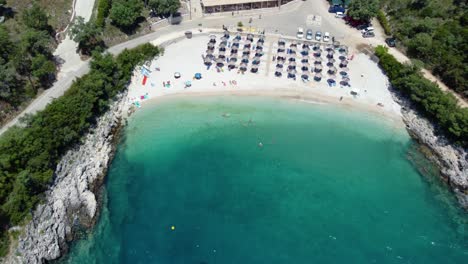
<point x="326" y="185"/>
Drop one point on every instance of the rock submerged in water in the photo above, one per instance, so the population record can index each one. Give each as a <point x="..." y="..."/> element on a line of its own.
<point x="71" y="202"/>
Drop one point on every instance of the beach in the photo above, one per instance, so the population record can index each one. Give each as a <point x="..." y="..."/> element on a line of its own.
<point x="184" y="57"/>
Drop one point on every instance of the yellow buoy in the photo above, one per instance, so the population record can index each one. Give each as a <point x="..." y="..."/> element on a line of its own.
<point x="172" y="227"/>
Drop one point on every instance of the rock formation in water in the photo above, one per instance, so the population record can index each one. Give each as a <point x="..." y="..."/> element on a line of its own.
<point x="71" y="202"/>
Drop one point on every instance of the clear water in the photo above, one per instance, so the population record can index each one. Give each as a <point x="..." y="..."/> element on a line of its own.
<point x="328" y="185"/>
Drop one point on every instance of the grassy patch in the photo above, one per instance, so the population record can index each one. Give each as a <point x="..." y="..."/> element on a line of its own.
<point x="59" y="11"/>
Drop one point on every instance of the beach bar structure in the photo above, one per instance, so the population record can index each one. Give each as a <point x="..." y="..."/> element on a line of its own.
<point x="215" y="6"/>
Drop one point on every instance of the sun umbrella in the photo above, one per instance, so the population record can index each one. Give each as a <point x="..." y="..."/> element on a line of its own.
<point x="318" y="59"/>
<point x="235" y="45"/>
<point x="223" y="43"/>
<point x="278" y="74"/>
<point x="305" y="76"/>
<point x="259" y="48"/>
<point x="213" y="41"/>
<point x="318" y="76"/>
<point x="305" y="46"/>
<point x="291" y="67"/>
<point x="243" y="67"/>
<point x="281" y="54"/>
<point x="222" y="51"/>
<point x="188" y="83"/>
<point x="248" y="42"/>
<point x="238" y="37"/>
<point x="245" y="60"/>
<point x="305" y="60"/>
<point x="207" y="61"/>
<point x="292" y="63"/>
<point x="198" y="76"/>
<point x="305" y="52"/>
<point x="331" y="60"/>
<point x="292" y="59"/>
<point x="250" y="36"/>
<point x="316" y="47"/>
<point x="291" y="75"/>
<point x="318" y="68"/>
<point x="222" y="56"/>
<point x="304" y="68"/>
<point x="210" y="45"/>
<point x="292" y="71"/>
<point x="346" y="79"/>
<point x="317" y="54"/>
<point x="246" y="52"/>
<point x="332" y="70"/>
<point x="258" y="54"/>
<point x="342" y="57"/>
<point x="279" y="65"/>
<point x="343" y="64"/>
<point x="293" y="48"/>
<point x="329" y="47"/>
<point x="281" y="42"/>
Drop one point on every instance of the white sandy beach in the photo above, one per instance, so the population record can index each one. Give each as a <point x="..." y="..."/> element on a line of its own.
<point x="185" y="57"/>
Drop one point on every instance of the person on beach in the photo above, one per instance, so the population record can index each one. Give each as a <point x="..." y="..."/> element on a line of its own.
<point x="164" y="84"/>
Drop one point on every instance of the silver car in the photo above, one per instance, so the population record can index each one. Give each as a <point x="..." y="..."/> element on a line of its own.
<point x="309" y="34"/>
<point x="318" y="35"/>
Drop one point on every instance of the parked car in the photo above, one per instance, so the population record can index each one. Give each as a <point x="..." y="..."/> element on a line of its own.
<point x="391" y="42"/>
<point x="367" y="29"/>
<point x="318" y="35"/>
<point x="368" y="34"/>
<point x="340" y="15"/>
<point x="326" y="36"/>
<point x="309" y="34"/>
<point x="336" y="8"/>
<point x="300" y="33"/>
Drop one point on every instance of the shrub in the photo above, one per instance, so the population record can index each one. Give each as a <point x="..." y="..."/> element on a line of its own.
<point x="104" y="7"/>
<point x="384" y="22"/>
<point x="29" y="155"/>
<point x="439" y="106"/>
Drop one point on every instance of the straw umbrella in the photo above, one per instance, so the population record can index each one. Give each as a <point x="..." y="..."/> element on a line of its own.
<point x="318" y="68"/>
<point x="212" y="39"/>
<point x="254" y="68"/>
<point x="318" y="76"/>
<point x="243" y="67"/>
<point x="220" y="62"/>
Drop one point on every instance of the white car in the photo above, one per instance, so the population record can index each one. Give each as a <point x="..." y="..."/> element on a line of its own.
<point x="339" y="15"/>
<point x="300" y="33"/>
<point x="326" y="36"/>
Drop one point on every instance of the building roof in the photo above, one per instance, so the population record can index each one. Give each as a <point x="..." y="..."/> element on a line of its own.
<point x="230" y="2"/>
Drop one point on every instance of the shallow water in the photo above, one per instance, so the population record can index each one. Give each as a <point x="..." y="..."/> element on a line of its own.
<point x="326" y="185"/>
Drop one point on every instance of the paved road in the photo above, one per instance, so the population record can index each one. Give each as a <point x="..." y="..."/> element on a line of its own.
<point x="306" y="14"/>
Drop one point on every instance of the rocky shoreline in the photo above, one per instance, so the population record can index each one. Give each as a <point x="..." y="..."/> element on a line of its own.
<point x="452" y="161"/>
<point x="71" y="202"/>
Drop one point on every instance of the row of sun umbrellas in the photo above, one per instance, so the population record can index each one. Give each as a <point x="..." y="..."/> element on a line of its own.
<point x="237" y="53"/>
<point x="306" y="67"/>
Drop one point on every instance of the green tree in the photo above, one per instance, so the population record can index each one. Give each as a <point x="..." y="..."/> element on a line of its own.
<point x="124" y="13"/>
<point x="87" y="35"/>
<point x="9" y="84"/>
<point x="363" y="9"/>
<point x="35" y="17"/>
<point x="6" y="46"/>
<point x="164" y="7"/>
<point x="42" y="68"/>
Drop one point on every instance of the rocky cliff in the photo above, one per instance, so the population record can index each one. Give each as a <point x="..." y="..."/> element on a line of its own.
<point x="451" y="160"/>
<point x="71" y="202"/>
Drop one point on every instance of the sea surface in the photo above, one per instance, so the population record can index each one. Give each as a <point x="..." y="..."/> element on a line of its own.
<point x="259" y="180"/>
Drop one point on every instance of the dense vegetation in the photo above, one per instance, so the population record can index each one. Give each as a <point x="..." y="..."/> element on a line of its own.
<point x="26" y="61"/>
<point x="439" y="106"/>
<point x="29" y="155"/>
<point x="102" y="12"/>
<point x="435" y="32"/>
<point x="363" y="10"/>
